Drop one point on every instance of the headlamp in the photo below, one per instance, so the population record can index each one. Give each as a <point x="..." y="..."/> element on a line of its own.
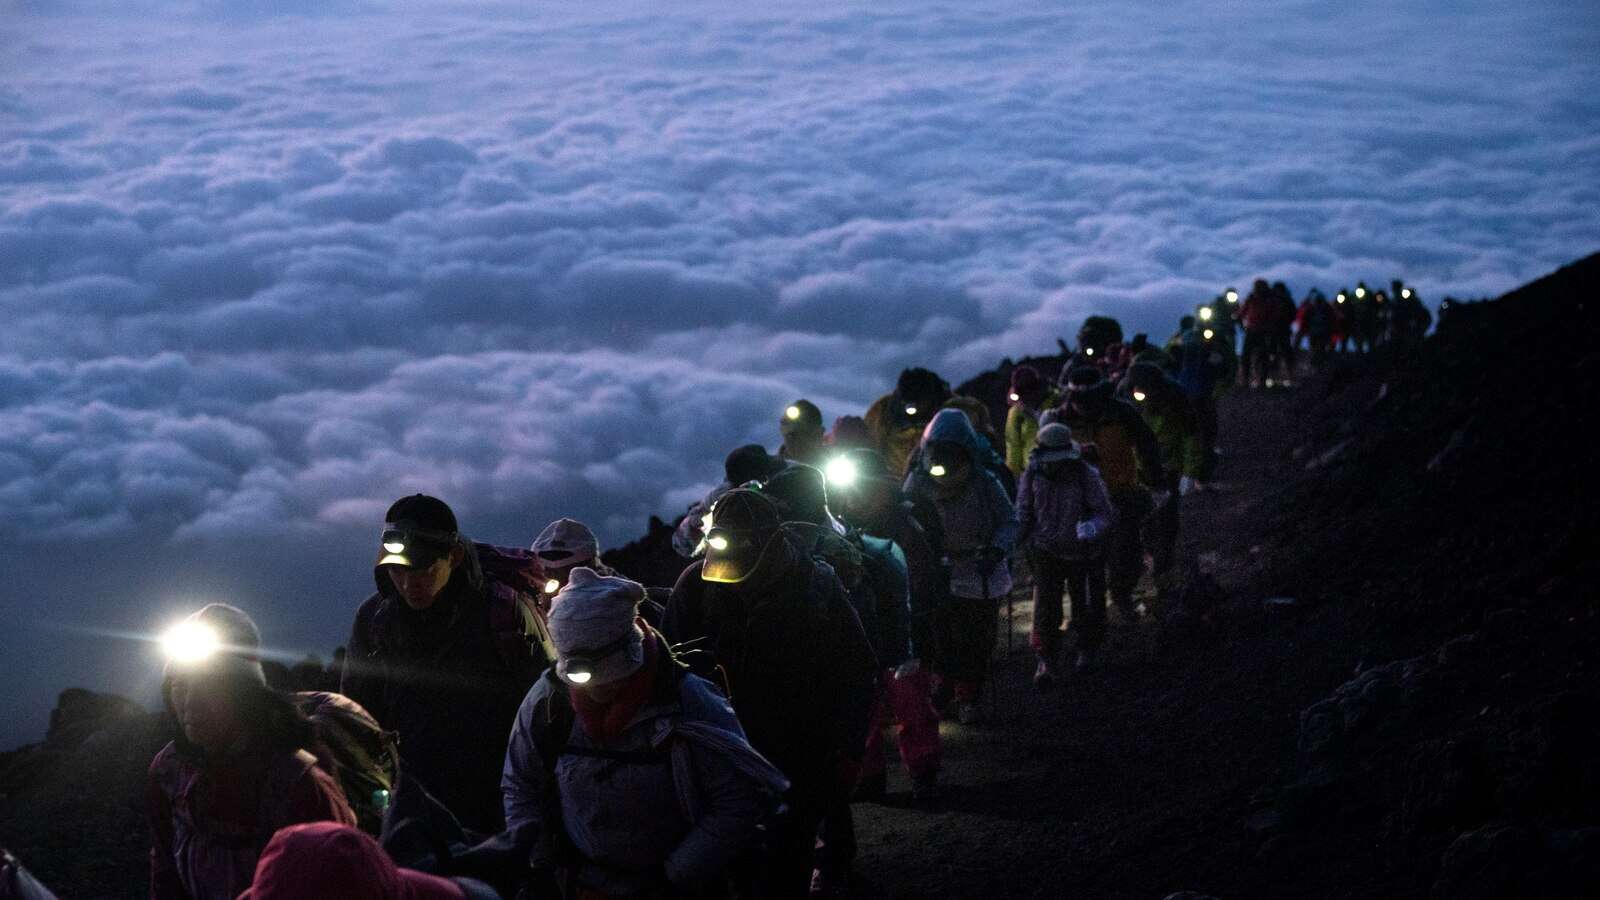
<point x="841" y="471"/>
<point x="394" y="547"/>
<point x="551" y="586"/>
<point x="717" y="543"/>
<point x="1233" y="296"/>
<point x="190" y="642"/>
<point x="937" y="471"/>
<point x="1360" y="292"/>
<point x="1139" y="396"/>
<point x="1209" y="334"/>
<point x="578" y="666"/>
<point x="1405" y="293"/>
<point x="1015" y="397"/>
<point x="792" y="413"/>
<point x="1205" y="313"/>
<point x="1339" y="299"/>
<point x="911" y="410"/>
<point x="1088" y="351"/>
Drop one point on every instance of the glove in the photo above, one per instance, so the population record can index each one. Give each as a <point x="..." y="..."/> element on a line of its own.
<point x="1186" y="486"/>
<point x="1088" y="531"/>
<point x="989" y="559"/>
<point x="907" y="669"/>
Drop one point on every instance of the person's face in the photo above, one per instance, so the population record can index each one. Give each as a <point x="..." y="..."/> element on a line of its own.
<point x="1085" y="403"/>
<point x="419" y="587"/>
<point x="205" y="711"/>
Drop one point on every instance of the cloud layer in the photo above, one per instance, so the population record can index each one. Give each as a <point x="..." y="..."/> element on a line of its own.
<point x="263" y="273"/>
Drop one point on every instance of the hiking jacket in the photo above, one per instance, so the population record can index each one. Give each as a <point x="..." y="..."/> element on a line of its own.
<point x="1257" y="313"/>
<point x="679" y="790"/>
<point x="801" y="674"/>
<point x="1171" y="417"/>
<point x="209" y="824"/>
<point x="1022" y="428"/>
<point x="885" y="587"/>
<point x="1050" y="509"/>
<point x="977" y="515"/>
<point x="440" y="679"/>
<point x="1124" y="444"/>
<point x="924" y="582"/>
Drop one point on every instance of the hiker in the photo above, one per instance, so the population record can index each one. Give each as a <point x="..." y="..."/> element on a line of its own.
<point x="1281" y="346"/>
<point x="325" y="859"/>
<point x="240" y="764"/>
<point x="803" y="437"/>
<point x="1065" y="515"/>
<point x="895" y="421"/>
<point x="631" y="776"/>
<point x="443" y="654"/>
<point x="1317" y="326"/>
<point x="873" y="571"/>
<point x="978" y="524"/>
<point x="1256" y="316"/>
<point x="745" y="464"/>
<point x="799" y="669"/>
<point x="873" y="503"/>
<point x="566" y="544"/>
<point x="1128" y="457"/>
<point x="849" y="433"/>
<point x="1030" y="396"/>
<point x="1171" y="417"/>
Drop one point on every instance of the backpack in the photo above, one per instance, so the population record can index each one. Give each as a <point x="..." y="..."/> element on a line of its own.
<point x="355" y="750"/>
<point x="513" y="580"/>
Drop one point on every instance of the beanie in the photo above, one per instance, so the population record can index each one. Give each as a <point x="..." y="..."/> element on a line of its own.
<point x="592" y="612"/>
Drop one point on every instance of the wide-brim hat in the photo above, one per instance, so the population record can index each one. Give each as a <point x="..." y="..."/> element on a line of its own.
<point x="1054" y="443"/>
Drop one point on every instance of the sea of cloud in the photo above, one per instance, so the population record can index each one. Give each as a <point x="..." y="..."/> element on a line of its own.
<point x="266" y="267"/>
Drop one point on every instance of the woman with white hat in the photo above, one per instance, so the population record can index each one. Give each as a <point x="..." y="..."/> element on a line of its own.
<point x="1065" y="514"/>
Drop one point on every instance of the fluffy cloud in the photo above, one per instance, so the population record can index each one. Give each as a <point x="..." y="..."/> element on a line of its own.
<point x="558" y="262"/>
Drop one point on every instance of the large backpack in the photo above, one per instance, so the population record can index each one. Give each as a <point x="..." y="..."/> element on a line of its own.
<point x="355" y="750"/>
<point x="513" y="580"/>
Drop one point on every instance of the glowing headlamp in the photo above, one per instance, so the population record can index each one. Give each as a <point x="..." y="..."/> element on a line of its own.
<point x="578" y="666"/>
<point x="841" y="471"/>
<point x="937" y="471"/>
<point x="792" y="413"/>
<point x="1209" y="334"/>
<point x="1360" y="292"/>
<point x="1339" y="299"/>
<point x="911" y="410"/>
<point x="717" y="543"/>
<point x="394" y="547"/>
<point x="190" y="642"/>
<point x="1233" y="296"/>
<point x="1088" y="351"/>
<point x="551" y="586"/>
<point x="1205" y="313"/>
<point x="1139" y="396"/>
<point x="1405" y="293"/>
<point x="1015" y="397"/>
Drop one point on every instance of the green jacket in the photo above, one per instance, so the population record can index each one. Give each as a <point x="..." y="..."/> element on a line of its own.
<point x="1022" y="428"/>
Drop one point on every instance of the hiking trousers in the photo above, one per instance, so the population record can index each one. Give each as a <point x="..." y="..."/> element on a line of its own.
<point x="1084" y="581"/>
<point x="968" y="629"/>
<point x="916" y="725"/>
<point x="1125" y="545"/>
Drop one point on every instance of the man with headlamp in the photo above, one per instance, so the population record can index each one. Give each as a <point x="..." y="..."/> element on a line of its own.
<point x="440" y="656"/>
<point x="799" y="667"/>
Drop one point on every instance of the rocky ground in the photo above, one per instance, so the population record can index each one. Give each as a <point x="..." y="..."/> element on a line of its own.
<point x="1396" y="696"/>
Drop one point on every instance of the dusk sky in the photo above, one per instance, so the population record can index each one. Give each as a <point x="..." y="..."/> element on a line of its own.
<point x="261" y="274"/>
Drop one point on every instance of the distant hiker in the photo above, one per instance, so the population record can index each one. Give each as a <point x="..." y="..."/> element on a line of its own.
<point x="1316" y="322"/>
<point x="631" y="776"/>
<point x="1030" y="396"/>
<point x="743" y="465"/>
<point x="896" y="420"/>
<point x="1410" y="319"/>
<point x="874" y="504"/>
<point x="324" y="859"/>
<point x="239" y="767"/>
<point x="801" y="429"/>
<point x="799" y="669"/>
<point x="1257" y="316"/>
<point x="443" y="653"/>
<point x="849" y="433"/>
<point x="1128" y="457"/>
<point x="1065" y="516"/>
<point x="978" y="524"/>
<point x="1172" y="418"/>
<point x="1281" y="346"/>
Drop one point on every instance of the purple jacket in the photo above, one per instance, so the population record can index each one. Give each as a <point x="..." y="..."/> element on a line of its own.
<point x="1051" y="508"/>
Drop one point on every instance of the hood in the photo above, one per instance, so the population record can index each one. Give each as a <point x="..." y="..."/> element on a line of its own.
<point x="953" y="426"/>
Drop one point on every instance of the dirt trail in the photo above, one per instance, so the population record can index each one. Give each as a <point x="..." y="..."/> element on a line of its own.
<point x="1114" y="784"/>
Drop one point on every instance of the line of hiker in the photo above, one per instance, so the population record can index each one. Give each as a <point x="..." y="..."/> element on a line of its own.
<point x="528" y="723"/>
